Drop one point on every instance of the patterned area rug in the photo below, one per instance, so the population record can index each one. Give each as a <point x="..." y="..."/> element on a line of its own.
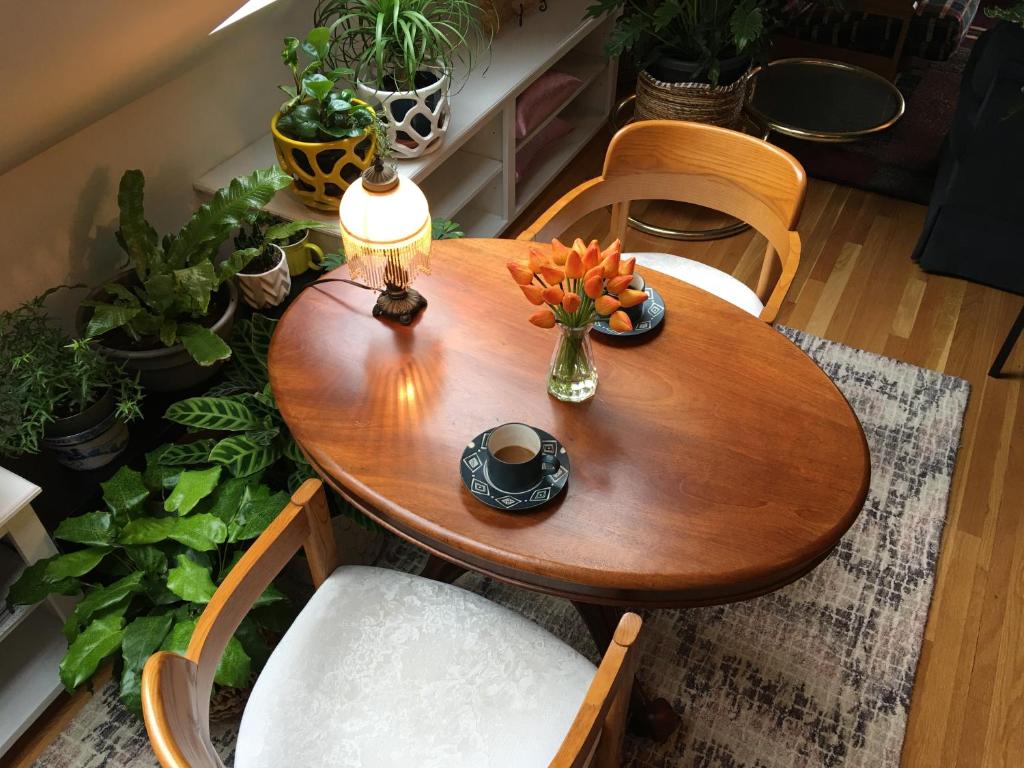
<point x="817" y="674"/>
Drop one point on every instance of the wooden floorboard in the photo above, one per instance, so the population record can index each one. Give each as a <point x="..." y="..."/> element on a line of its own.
<point x="857" y="285"/>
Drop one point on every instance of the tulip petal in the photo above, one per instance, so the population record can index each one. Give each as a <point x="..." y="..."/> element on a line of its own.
<point x="552" y="275"/>
<point x="620" y="322"/>
<point x="611" y="265"/>
<point x="593" y="286"/>
<point x="574" y="266"/>
<point x="619" y="283"/>
<point x="543" y="318"/>
<point x="615" y="248"/>
<point x="534" y="293"/>
<point x="571" y="302"/>
<point x="520" y="274"/>
<point x="559" y="252"/>
<point x="538" y="259"/>
<point x="597" y="271"/>
<point x="579" y="246"/>
<point x="626" y="267"/>
<point x="553" y="294"/>
<point x="606" y="305"/>
<point x="630" y="298"/>
<point x="592" y="255"/>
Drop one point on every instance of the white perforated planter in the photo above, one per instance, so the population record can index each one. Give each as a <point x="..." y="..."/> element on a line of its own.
<point x="417" y="120"/>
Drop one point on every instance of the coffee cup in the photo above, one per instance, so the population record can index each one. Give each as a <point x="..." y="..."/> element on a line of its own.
<point x="515" y="461"/>
<point x="636" y="313"/>
<point x="302" y="255"/>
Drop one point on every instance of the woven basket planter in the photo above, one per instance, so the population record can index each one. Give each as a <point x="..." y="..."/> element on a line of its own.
<point x="417" y="120"/>
<point x="696" y="102"/>
<point x="321" y="172"/>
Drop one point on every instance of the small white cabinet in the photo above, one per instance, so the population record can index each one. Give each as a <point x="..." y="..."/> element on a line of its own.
<point x="31" y="641"/>
<point x="471" y="177"/>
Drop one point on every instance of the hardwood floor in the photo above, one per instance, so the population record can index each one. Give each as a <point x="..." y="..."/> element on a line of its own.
<point x="857" y="285"/>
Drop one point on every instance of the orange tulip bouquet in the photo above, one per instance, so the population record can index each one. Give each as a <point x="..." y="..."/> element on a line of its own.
<point x="574" y="287"/>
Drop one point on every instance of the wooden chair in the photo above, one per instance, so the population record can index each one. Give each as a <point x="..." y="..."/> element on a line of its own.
<point x="705" y="165"/>
<point x="382" y="668"/>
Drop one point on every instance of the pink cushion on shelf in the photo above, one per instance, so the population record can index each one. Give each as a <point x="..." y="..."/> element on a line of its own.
<point x="544" y="95"/>
<point x="526" y="156"/>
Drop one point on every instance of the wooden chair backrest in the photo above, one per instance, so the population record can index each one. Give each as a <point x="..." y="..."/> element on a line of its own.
<point x="176" y="689"/>
<point x="701" y="164"/>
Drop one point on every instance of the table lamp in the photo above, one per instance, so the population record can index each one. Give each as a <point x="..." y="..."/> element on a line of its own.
<point x="385" y="231"/>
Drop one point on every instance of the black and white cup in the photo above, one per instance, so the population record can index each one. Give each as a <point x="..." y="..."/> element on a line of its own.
<point x="514" y="457"/>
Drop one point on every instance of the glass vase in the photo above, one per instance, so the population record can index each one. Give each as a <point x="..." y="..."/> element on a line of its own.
<point x="573" y="375"/>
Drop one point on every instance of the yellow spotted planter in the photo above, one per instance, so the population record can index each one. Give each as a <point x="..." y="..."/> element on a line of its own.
<point x="321" y="172"/>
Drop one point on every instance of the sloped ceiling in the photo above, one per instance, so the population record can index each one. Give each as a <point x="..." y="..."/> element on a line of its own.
<point x="66" y="63"/>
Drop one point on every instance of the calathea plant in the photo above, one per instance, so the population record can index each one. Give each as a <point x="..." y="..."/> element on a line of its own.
<point x="252" y="435"/>
<point x="316" y="110"/>
<point x="175" y="277"/>
<point x="148" y="564"/>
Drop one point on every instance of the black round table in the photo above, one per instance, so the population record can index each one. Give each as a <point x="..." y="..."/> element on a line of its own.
<point x="819" y="100"/>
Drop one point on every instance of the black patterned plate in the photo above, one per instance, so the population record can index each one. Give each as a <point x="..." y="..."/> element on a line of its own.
<point x="473" y="469"/>
<point x="654" y="313"/>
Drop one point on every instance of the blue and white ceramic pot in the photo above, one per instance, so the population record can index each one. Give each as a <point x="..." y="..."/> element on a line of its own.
<point x="90" y="439"/>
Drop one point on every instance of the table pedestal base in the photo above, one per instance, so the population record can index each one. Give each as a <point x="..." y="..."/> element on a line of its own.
<point x="651" y="718"/>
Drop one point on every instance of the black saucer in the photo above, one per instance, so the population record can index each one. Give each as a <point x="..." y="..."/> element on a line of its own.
<point x="654" y="313"/>
<point x="473" y="469"/>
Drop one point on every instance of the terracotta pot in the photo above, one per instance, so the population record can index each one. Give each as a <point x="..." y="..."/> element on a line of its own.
<point x="89" y="439"/>
<point x="165" y="369"/>
<point x="270" y="288"/>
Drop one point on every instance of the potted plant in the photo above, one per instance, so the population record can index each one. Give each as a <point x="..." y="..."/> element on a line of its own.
<point x="323" y="136"/>
<point x="402" y="54"/>
<point x="146" y="566"/>
<point x="168" y="315"/>
<point x="693" y="55"/>
<point x="275" y="250"/>
<point x="59" y="393"/>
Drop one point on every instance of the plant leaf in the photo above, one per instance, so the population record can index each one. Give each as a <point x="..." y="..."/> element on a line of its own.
<point x="100" y="599"/>
<point x="91" y="528"/>
<point x="235" y="666"/>
<point x="148" y="559"/>
<point x="100" y="639"/>
<point x="243" y="456"/>
<point x="194" y="285"/>
<point x="74" y="564"/>
<point x="257" y="511"/>
<point x="223" y="413"/>
<point x="32" y="586"/>
<point x="135" y="234"/>
<point x="226" y="500"/>
<point x="193" y="486"/>
<point x="191" y="581"/>
<point x="196" y="452"/>
<point x="125" y="492"/>
<point x="205" y="346"/>
<point x="141" y="638"/>
<point x="107" y="317"/>
<point x="201" y="532"/>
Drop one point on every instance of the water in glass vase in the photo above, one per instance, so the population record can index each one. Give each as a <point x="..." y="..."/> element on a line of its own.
<point x="573" y="375"/>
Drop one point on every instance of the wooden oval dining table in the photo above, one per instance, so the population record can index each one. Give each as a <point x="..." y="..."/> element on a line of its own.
<point x="715" y="463"/>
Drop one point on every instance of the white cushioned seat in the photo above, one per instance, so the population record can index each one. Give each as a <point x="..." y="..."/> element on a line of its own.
<point x="386" y="670"/>
<point x="721" y="284"/>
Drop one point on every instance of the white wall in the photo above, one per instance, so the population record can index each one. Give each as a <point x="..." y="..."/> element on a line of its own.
<point x="59" y="207"/>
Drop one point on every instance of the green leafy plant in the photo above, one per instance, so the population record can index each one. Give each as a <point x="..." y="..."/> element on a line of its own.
<point x="268" y="229"/>
<point x="1013" y="13"/>
<point x="250" y="434"/>
<point x="317" y="110"/>
<point x="175" y="277"/>
<point x="700" y="31"/>
<point x="387" y="42"/>
<point x="147" y="565"/>
<point x="44" y="376"/>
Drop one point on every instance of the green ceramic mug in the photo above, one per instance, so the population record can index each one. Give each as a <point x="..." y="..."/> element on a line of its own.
<point x="302" y="255"/>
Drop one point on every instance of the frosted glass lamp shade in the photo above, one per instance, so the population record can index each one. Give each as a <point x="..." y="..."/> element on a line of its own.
<point x="386" y="234"/>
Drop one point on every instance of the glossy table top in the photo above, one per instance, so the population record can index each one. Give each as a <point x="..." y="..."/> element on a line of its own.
<point x="716" y="461"/>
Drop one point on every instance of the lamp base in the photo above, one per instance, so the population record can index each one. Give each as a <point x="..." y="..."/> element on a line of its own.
<point x="399" y="304"/>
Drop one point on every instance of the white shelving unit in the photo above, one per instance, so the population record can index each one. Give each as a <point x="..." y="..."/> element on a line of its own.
<point x="31" y="641"/>
<point x="471" y="177"/>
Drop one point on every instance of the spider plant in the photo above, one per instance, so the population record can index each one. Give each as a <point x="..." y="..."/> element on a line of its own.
<point x="387" y="42"/>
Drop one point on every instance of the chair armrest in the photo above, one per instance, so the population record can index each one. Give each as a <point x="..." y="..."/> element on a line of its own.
<point x="601" y="718"/>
